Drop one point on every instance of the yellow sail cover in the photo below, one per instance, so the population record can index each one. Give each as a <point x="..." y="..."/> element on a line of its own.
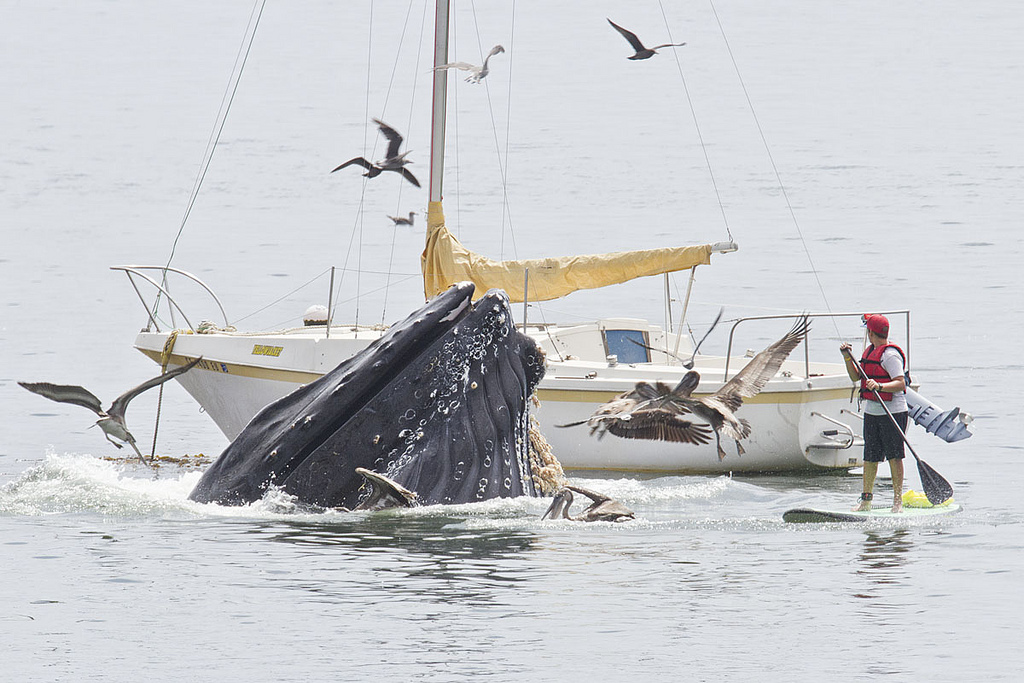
<point x="445" y="261"/>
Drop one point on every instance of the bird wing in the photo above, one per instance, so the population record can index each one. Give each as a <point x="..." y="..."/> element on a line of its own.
<point x="660" y="425"/>
<point x="592" y="495"/>
<point x="120" y="403"/>
<point x="628" y="35"/>
<point x="409" y="176"/>
<point x="358" y="160"/>
<point x="668" y="45"/>
<point x="66" y="393"/>
<point x="394" y="139"/>
<point x="464" y="66"/>
<point x="755" y="375"/>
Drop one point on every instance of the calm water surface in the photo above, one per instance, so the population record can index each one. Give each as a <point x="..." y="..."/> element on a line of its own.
<point x="897" y="134"/>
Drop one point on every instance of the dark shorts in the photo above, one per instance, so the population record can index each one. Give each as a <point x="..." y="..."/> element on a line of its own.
<point x="882" y="441"/>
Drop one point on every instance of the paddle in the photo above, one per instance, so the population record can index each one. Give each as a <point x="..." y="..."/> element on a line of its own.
<point x="936" y="488"/>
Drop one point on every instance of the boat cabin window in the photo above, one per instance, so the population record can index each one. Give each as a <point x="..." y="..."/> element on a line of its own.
<point x="621" y="344"/>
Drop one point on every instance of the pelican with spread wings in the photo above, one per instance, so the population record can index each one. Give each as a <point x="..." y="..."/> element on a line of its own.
<point x="644" y="413"/>
<point x="112" y="419"/>
<point x="719" y="409"/>
<point x="476" y="73"/>
<point x="659" y="412"/>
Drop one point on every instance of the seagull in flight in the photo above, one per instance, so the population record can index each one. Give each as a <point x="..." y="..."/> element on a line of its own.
<point x="393" y="161"/>
<point x="398" y="220"/>
<point x="111" y="420"/>
<point x="641" y="51"/>
<point x="476" y="73"/>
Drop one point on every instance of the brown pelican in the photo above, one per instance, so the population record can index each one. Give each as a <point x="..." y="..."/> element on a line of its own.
<point x="398" y="220"/>
<point x="639" y="414"/>
<point x="476" y="73"/>
<point x="393" y="161"/>
<point x="602" y="509"/>
<point x="111" y="420"/>
<point x="384" y="492"/>
<point x="719" y="409"/>
<point x="641" y="51"/>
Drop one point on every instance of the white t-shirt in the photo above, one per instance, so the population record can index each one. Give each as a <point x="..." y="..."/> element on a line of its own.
<point x="892" y="363"/>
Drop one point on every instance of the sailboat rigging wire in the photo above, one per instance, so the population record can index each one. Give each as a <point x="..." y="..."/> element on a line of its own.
<point x="454" y="112"/>
<point x="218" y="128"/>
<point x="408" y="128"/>
<point x="358" y="224"/>
<point x="292" y="321"/>
<point x="502" y="163"/>
<point x="775" y="169"/>
<point x="696" y="125"/>
<point x="277" y="301"/>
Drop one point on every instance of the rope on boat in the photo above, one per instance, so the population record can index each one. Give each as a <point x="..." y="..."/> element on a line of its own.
<point x="165" y="358"/>
<point x="546" y="471"/>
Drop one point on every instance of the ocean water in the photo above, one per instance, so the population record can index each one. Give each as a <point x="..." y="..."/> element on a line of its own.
<point x="896" y="132"/>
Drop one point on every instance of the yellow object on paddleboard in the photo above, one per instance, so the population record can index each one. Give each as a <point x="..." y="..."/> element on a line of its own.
<point x="917" y="499"/>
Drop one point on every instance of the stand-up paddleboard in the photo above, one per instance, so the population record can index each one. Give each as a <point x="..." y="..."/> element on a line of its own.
<point x="915" y="506"/>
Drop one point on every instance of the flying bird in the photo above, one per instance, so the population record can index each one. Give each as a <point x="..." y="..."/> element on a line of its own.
<point x="601" y="509"/>
<point x="111" y="420"/>
<point x="476" y="73"/>
<point x="658" y="412"/>
<point x="641" y="51"/>
<point x="639" y="414"/>
<point x="398" y="220"/>
<point x="393" y="161"/>
<point x="719" y="409"/>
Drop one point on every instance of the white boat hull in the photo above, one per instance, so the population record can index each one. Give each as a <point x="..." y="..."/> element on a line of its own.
<point x="240" y="374"/>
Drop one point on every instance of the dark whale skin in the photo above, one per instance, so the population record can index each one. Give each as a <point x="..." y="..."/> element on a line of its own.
<point x="438" y="404"/>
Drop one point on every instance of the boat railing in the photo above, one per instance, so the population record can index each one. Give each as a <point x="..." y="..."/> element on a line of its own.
<point x="161" y="286"/>
<point x="806" y="343"/>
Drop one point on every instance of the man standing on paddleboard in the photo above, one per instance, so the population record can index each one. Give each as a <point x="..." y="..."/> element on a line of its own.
<point x="884" y="366"/>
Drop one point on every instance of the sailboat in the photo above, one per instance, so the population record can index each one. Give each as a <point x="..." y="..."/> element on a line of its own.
<point x="802" y="420"/>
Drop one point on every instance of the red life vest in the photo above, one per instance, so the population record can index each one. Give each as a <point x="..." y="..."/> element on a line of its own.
<point x="871" y="364"/>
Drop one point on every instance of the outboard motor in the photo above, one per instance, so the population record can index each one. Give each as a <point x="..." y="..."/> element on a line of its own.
<point x="943" y="424"/>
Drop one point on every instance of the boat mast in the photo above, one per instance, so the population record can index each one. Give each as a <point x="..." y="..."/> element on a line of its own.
<point x="440" y="100"/>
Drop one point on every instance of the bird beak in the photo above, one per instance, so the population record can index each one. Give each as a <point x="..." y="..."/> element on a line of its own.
<point x="555" y="509"/>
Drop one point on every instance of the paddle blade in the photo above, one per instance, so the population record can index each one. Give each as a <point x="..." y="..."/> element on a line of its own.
<point x="936" y="488"/>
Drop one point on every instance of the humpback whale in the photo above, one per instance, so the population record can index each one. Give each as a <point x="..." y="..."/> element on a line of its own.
<point x="437" y="405"/>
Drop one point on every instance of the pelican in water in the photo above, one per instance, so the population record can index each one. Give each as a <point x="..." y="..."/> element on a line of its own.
<point x="393" y="161"/>
<point x="398" y="220"/>
<point x="112" y="419"/>
<point x="641" y="51"/>
<point x="641" y="413"/>
<point x="384" y="492"/>
<point x="476" y="73"/>
<point x="601" y="509"/>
